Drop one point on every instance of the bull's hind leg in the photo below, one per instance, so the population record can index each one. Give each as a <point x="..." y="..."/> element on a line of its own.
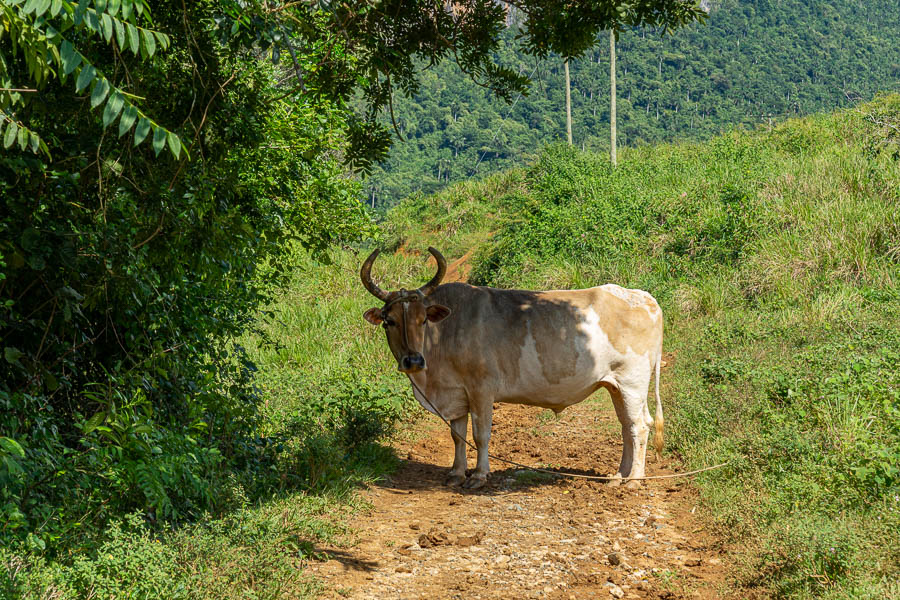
<point x="634" y="399"/>
<point x="482" y="417"/>
<point x="458" y="431"/>
<point x="630" y="401"/>
<point x="627" y="448"/>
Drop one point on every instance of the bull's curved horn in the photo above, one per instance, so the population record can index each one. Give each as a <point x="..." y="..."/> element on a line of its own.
<point x="365" y="273"/>
<point x="441" y="269"/>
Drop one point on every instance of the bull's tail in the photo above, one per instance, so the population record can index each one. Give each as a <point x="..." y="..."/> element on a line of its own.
<point x="658" y="419"/>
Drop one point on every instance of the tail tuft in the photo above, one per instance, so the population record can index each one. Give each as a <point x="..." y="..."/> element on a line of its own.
<point x="658" y="437"/>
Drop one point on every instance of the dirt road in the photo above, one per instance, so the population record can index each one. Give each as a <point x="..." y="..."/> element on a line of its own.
<point x="526" y="535"/>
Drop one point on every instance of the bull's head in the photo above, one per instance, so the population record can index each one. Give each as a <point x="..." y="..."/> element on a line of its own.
<point x="405" y="314"/>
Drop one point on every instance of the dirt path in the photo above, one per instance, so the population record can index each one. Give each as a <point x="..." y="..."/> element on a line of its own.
<point x="525" y="535"/>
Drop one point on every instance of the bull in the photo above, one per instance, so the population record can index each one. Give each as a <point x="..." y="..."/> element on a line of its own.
<point x="466" y="347"/>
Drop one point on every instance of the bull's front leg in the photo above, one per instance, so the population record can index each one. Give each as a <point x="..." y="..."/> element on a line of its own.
<point x="458" y="431"/>
<point x="482" y="418"/>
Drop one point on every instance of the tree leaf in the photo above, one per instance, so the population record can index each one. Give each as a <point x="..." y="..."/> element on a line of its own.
<point x="70" y="58"/>
<point x="101" y="88"/>
<point x="11" y="446"/>
<point x="93" y="422"/>
<point x="35" y="142"/>
<point x="100" y="6"/>
<point x="55" y="7"/>
<point x="163" y="40"/>
<point x="127" y="120"/>
<point x="134" y="39"/>
<point x="10" y="136"/>
<point x="113" y="8"/>
<point x="23" y="138"/>
<point x="113" y="107"/>
<point x="106" y="26"/>
<point x="174" y="144"/>
<point x="92" y="20"/>
<point x="127" y="5"/>
<point x="80" y="11"/>
<point x="85" y="77"/>
<point x="12" y="355"/>
<point x="141" y="131"/>
<point x="120" y="33"/>
<point x="149" y="41"/>
<point x="159" y="139"/>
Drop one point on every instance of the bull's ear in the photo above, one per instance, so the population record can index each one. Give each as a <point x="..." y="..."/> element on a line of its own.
<point x="437" y="313"/>
<point x="373" y="316"/>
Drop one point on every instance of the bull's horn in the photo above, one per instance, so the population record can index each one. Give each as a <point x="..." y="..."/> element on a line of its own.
<point x="441" y="269"/>
<point x="366" y="275"/>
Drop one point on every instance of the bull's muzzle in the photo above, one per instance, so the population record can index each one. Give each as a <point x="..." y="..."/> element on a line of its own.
<point x="411" y="363"/>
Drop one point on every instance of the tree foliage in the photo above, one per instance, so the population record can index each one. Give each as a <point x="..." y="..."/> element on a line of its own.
<point x="41" y="34"/>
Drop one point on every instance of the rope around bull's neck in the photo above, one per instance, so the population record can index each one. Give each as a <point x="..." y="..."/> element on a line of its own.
<point x="557" y="473"/>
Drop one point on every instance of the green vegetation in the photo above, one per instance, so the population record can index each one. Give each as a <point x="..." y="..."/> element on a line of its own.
<point x="776" y="258"/>
<point x="330" y="397"/>
<point x="188" y="399"/>
<point x="749" y="63"/>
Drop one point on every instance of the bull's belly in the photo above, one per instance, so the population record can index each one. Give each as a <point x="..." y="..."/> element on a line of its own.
<point x="553" y="396"/>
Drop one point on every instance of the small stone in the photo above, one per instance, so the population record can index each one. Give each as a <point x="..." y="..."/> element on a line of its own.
<point x="692" y="562"/>
<point x="616" y="546"/>
<point x="714" y="561"/>
<point x="415" y="526"/>
<point x="616" y="592"/>
<point x="615" y="558"/>
<point x="403" y="569"/>
<point x="468" y="540"/>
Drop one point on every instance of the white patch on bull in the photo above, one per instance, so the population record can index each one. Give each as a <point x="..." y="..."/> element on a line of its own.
<point x="603" y="352"/>
<point x="634" y="298"/>
<point x="533" y="387"/>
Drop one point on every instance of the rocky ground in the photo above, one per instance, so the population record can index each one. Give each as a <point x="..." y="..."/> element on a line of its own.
<point x="526" y="535"/>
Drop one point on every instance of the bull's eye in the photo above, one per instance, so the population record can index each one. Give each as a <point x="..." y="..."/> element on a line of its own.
<point x="389" y="323"/>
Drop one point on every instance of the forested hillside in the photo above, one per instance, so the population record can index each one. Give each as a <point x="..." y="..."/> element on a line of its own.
<point x="751" y="63"/>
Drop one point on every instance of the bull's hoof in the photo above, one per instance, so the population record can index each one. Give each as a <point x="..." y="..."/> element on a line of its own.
<point x="633" y="484"/>
<point x="614" y="480"/>
<point x="455" y="480"/>
<point x="474" y="482"/>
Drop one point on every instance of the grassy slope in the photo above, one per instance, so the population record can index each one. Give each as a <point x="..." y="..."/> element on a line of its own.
<point x="775" y="257"/>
